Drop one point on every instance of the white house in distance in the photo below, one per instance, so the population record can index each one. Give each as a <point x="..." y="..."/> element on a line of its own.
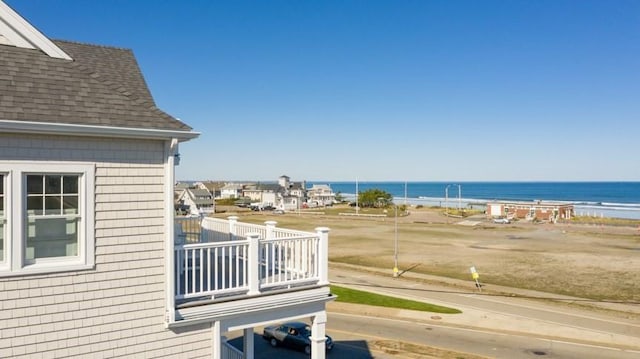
<point x="321" y="195"/>
<point x="231" y="190"/>
<point x="92" y="261"/>
<point x="199" y="201"/>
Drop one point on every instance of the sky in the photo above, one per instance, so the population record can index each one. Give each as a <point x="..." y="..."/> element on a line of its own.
<point x="544" y="90"/>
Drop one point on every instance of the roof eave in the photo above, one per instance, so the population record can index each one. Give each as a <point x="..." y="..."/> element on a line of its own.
<point x="31" y="127"/>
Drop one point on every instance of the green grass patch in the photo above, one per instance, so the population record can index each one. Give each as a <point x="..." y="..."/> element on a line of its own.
<point x="348" y="295"/>
<point x="604" y="221"/>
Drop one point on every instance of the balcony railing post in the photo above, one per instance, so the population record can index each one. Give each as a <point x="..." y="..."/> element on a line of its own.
<point x="254" y="263"/>
<point x="269" y="251"/>
<point x="323" y="255"/>
<point x="270" y="227"/>
<point x="232" y="227"/>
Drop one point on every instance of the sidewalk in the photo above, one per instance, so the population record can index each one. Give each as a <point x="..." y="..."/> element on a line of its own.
<point x="497" y="309"/>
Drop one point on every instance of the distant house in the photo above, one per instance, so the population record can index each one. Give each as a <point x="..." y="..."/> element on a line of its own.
<point x="198" y="201"/>
<point x="297" y="189"/>
<point x="231" y="190"/>
<point x="321" y="194"/>
<point x="214" y="188"/>
<point x="93" y="262"/>
<point x="540" y="210"/>
<point x="264" y="193"/>
<point x="284" y="181"/>
<point x="183" y="185"/>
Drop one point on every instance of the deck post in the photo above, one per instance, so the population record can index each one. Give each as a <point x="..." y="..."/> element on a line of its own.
<point x="248" y="347"/>
<point x="217" y="340"/>
<point x="318" y="336"/>
<point x="323" y="255"/>
<point x="254" y="263"/>
<point x="232" y="227"/>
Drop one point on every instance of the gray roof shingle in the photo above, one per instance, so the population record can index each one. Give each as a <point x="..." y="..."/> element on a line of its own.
<point x="102" y="86"/>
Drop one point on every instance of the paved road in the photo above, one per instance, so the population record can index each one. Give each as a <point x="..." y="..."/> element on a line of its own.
<point x="353" y="333"/>
<point x="485" y="343"/>
<point x="516" y="327"/>
<point x="493" y="326"/>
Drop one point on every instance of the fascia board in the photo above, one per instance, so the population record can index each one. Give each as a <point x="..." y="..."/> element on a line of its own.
<point x="93" y="131"/>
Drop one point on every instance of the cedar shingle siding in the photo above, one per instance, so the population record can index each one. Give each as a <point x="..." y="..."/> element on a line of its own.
<point x="117" y="309"/>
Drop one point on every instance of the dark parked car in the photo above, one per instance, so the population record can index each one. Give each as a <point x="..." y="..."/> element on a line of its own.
<point x="294" y="335"/>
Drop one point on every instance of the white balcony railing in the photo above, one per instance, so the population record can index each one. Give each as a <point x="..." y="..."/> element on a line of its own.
<point x="217" y="258"/>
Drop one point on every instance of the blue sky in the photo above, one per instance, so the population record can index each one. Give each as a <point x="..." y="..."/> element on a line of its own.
<point x="383" y="90"/>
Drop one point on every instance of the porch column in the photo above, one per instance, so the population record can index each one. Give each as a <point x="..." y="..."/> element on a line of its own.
<point x="217" y="340"/>
<point x="232" y="227"/>
<point x="248" y="347"/>
<point x="318" y="336"/>
<point x="254" y="264"/>
<point x="323" y="255"/>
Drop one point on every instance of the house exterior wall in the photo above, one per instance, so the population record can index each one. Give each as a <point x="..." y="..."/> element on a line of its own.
<point x="541" y="211"/>
<point x="253" y="195"/>
<point x="269" y="198"/>
<point x="116" y="309"/>
<point x="230" y="192"/>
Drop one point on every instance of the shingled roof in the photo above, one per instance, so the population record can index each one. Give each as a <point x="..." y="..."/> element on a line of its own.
<point x="102" y="86"/>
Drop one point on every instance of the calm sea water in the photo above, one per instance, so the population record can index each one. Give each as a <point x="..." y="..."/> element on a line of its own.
<point x="609" y="199"/>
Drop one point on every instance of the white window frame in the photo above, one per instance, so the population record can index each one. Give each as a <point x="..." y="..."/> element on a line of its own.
<point x="3" y="219"/>
<point x="16" y="218"/>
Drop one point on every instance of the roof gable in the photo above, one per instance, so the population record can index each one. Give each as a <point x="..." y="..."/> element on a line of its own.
<point x="16" y="31"/>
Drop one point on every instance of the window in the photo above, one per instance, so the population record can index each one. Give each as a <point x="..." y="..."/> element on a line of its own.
<point x="53" y="216"/>
<point x="52" y="226"/>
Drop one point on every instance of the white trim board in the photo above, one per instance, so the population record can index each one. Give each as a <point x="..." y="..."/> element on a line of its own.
<point x="21" y="33"/>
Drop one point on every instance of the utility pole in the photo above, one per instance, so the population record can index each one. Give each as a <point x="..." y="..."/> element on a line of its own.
<point x="395" y="247"/>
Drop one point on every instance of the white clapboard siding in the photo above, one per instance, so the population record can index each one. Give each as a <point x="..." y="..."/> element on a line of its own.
<point x="116" y="309"/>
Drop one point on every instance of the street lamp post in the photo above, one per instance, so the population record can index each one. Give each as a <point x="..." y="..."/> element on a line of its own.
<point x="395" y="247"/>
<point x="446" y="200"/>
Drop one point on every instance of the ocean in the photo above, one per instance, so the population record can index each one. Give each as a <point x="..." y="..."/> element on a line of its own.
<point x="600" y="199"/>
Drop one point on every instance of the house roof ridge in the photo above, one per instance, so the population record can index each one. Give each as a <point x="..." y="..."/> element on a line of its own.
<point x="92" y="44"/>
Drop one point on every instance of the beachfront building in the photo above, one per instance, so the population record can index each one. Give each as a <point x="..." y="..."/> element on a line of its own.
<point x="536" y="210"/>
<point x="92" y="261"/>
<point x="321" y="194"/>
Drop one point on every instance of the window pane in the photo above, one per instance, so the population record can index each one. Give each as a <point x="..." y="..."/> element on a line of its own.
<point x="52" y="237"/>
<point x="52" y="205"/>
<point x="34" y="205"/>
<point x="70" y="205"/>
<point x="70" y="184"/>
<point x="34" y="184"/>
<point x="53" y="184"/>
